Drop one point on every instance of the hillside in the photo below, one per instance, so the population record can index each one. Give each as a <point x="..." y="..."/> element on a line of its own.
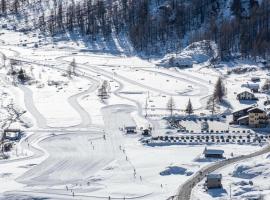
<point x="151" y="27"/>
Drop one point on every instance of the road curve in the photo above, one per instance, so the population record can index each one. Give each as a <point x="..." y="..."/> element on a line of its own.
<point x="184" y="191"/>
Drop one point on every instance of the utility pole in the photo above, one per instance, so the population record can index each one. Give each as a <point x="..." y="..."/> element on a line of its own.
<point x="146" y="108"/>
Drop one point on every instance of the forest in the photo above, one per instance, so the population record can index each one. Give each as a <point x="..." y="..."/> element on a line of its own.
<point x="154" y="24"/>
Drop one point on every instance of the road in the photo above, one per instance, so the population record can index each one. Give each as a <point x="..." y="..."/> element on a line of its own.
<point x="184" y="191"/>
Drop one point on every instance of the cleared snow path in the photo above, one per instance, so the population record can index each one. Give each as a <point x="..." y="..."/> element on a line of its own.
<point x="84" y="115"/>
<point x="30" y="106"/>
<point x="71" y="159"/>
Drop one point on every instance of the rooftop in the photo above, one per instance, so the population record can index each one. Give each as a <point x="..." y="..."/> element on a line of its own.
<point x="244" y="117"/>
<point x="245" y="91"/>
<point x="256" y="109"/>
<point x="214" y="176"/>
<point x="246" y="108"/>
<point x="213" y="151"/>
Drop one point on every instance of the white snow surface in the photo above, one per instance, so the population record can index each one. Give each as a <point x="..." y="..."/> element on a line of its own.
<point x="75" y="143"/>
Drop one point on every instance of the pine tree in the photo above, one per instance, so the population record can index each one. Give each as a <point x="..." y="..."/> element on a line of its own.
<point x="189" y="108"/>
<point x="171" y="106"/>
<point x="219" y="91"/>
<point x="236" y="8"/>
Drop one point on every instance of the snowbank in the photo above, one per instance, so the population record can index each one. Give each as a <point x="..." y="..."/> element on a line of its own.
<point x="197" y="52"/>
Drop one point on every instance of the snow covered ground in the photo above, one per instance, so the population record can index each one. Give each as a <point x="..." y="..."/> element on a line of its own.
<point x="245" y="180"/>
<point x="75" y="146"/>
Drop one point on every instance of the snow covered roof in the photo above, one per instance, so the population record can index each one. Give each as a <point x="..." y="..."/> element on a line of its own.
<point x="241" y="118"/>
<point x="245" y="91"/>
<point x="214" y="176"/>
<point x="251" y="85"/>
<point x="130" y="127"/>
<point x="246" y="108"/>
<point x="213" y="151"/>
<point x="256" y="109"/>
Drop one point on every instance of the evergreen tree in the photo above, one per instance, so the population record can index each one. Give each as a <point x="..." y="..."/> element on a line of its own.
<point x="236" y="8"/>
<point x="189" y="108"/>
<point x="219" y="90"/>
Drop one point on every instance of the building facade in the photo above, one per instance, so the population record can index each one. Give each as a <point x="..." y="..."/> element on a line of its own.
<point x="246" y="96"/>
<point x="213" y="181"/>
<point x="257" y="118"/>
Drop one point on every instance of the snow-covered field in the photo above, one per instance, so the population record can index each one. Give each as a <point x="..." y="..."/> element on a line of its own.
<point x="74" y="145"/>
<point x="245" y="180"/>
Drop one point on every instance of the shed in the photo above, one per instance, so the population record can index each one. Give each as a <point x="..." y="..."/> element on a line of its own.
<point x="12" y="134"/>
<point x="130" y="129"/>
<point x="253" y="87"/>
<point x="213" y="153"/>
<point x="213" y="181"/>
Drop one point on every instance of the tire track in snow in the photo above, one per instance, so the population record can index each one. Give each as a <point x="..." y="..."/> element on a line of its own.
<point x="72" y="100"/>
<point x="84" y="115"/>
<point x="30" y="106"/>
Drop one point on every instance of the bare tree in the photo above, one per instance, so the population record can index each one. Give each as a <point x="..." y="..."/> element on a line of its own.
<point x="146" y="108"/>
<point x="211" y="105"/>
<point x="71" y="70"/>
<point x="73" y="65"/>
<point x="14" y="115"/>
<point x="171" y="106"/>
<point x="266" y="85"/>
<point x="4" y="58"/>
<point x="104" y="90"/>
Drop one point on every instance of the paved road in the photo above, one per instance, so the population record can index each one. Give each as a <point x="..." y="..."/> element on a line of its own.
<point x="184" y="192"/>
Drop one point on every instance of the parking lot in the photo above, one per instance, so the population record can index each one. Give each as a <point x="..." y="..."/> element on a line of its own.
<point x="199" y="139"/>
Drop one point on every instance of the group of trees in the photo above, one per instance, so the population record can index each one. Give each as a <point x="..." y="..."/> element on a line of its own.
<point x="104" y="90"/>
<point x="248" y="32"/>
<point x="171" y="107"/>
<point x="215" y="99"/>
<point x="71" y="70"/>
<point x="13" y="115"/>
